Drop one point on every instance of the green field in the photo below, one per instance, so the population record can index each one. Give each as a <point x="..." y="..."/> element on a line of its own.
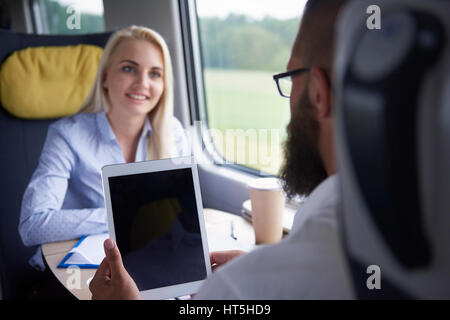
<point x="247" y="114"/>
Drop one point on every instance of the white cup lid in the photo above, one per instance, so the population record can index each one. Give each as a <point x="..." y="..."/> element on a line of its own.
<point x="266" y="184"/>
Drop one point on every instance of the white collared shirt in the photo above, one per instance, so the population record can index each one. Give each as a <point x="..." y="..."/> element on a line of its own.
<point x="308" y="264"/>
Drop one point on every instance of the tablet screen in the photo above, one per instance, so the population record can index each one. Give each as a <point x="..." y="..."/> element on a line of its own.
<point x="157" y="227"/>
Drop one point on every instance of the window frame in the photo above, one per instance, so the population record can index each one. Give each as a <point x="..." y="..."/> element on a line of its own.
<point x="40" y="20"/>
<point x="196" y="87"/>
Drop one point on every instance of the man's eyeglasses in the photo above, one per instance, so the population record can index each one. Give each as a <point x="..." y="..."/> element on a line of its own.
<point x="284" y="81"/>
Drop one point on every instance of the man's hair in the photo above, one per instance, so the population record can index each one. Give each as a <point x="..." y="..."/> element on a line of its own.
<point x="315" y="40"/>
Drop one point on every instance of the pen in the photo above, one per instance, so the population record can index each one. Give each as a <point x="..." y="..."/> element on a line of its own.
<point x="232" y="231"/>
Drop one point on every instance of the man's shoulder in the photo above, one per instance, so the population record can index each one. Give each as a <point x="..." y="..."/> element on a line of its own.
<point x="295" y="268"/>
<point x="307" y="264"/>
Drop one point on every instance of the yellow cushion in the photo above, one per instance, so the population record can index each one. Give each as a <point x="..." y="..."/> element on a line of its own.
<point x="48" y="82"/>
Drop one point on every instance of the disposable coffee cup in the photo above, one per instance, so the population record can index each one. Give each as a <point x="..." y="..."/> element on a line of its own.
<point x="268" y="201"/>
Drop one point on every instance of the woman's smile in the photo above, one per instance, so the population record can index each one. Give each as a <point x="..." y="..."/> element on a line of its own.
<point x="138" y="97"/>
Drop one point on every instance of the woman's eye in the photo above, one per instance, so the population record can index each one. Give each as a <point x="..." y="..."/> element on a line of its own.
<point x="128" y="69"/>
<point x="155" y="74"/>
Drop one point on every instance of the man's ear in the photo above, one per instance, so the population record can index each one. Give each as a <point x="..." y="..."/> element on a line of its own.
<point x="319" y="92"/>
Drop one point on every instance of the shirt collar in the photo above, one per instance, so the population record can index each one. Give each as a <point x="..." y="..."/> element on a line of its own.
<point x="107" y="133"/>
<point x="322" y="202"/>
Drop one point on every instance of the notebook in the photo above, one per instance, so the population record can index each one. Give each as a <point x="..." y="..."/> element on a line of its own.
<point x="87" y="253"/>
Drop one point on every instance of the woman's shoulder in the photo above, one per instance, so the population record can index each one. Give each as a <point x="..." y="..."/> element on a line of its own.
<point x="75" y="123"/>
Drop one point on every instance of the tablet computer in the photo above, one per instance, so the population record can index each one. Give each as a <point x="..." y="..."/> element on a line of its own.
<point x="155" y="215"/>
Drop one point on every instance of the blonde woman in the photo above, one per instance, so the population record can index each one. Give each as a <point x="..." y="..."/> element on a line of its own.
<point x="127" y="117"/>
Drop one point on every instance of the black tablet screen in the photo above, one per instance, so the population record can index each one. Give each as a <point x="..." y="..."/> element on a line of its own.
<point x="157" y="227"/>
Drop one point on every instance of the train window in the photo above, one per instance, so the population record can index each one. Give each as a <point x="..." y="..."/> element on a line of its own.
<point x="68" y="16"/>
<point x="242" y="44"/>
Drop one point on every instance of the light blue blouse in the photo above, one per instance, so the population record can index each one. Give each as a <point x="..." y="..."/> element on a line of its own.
<point x="64" y="199"/>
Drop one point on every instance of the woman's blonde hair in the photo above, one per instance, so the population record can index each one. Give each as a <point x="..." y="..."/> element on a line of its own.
<point x="160" y="144"/>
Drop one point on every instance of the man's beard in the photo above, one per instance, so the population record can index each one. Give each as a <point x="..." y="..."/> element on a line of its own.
<point x="303" y="169"/>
